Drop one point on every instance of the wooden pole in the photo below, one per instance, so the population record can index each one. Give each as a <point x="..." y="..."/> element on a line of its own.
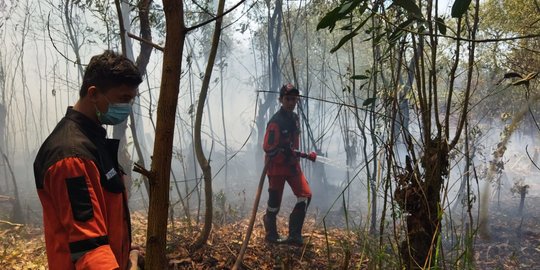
<point x="252" y="219"/>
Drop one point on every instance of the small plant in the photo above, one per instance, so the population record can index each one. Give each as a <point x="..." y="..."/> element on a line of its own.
<point x="520" y="188"/>
<point x="220" y="200"/>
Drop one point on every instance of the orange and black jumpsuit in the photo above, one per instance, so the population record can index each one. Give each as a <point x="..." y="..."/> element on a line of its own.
<point x="281" y="142"/>
<point x="80" y="186"/>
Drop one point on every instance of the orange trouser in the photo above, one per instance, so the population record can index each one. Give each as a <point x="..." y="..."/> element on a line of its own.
<point x="298" y="184"/>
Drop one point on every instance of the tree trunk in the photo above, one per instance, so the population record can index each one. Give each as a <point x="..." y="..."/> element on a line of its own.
<point x="159" y="176"/>
<point x="522" y="193"/>
<point x="225" y="145"/>
<point x="119" y="131"/>
<point x="72" y="36"/>
<point x="203" y="162"/>
<point x="421" y="200"/>
<point x="270" y="100"/>
<point x="16" y="214"/>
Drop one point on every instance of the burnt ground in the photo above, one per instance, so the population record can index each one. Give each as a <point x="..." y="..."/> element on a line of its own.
<point x="513" y="243"/>
<point x="513" y="240"/>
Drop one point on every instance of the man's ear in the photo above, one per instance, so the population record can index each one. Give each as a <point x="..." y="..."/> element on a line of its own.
<point x="92" y="93"/>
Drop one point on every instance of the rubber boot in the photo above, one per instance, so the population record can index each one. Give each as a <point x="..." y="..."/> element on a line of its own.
<point x="271" y="234"/>
<point x="296" y="222"/>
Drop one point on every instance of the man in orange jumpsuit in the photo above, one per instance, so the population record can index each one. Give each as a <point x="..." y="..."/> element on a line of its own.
<point x="281" y="143"/>
<point x="78" y="179"/>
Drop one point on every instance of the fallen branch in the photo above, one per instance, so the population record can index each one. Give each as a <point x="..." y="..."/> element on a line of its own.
<point x="252" y="219"/>
<point x="11" y="223"/>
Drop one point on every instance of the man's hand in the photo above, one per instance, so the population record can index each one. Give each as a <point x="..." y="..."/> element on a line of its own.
<point x="311" y="156"/>
<point x="133" y="260"/>
<point x="136" y="258"/>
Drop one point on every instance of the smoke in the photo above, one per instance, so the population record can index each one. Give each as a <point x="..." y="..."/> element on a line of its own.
<point x="495" y="164"/>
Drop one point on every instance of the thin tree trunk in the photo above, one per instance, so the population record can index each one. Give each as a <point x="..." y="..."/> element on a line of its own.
<point x="267" y="107"/>
<point x="203" y="162"/>
<point x="119" y="131"/>
<point x="469" y="230"/>
<point x="3" y="143"/>
<point x="17" y="214"/>
<point x="68" y="9"/>
<point x="142" y="61"/>
<point x="159" y="176"/>
<point x="226" y="148"/>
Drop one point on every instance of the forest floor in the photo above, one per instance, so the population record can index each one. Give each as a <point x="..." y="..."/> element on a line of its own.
<point x="514" y="243"/>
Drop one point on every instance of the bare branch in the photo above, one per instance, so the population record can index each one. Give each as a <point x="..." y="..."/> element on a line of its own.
<point x="121" y="25"/>
<point x="530" y="158"/>
<point x="215" y="18"/>
<point x="158" y="47"/>
<point x="54" y="44"/>
<point x="140" y="169"/>
<point x="11" y="223"/>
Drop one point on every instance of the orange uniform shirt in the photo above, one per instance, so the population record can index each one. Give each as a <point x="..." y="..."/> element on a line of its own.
<point x="80" y="186"/>
<point x="281" y="138"/>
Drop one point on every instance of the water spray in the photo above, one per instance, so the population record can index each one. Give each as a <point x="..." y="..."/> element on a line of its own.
<point x="315" y="158"/>
<point x="333" y="163"/>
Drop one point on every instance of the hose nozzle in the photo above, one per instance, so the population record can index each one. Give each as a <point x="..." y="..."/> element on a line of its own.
<point x="311" y="156"/>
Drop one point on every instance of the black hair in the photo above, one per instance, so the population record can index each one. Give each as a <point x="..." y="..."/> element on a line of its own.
<point x="108" y="70"/>
<point x="288" y="89"/>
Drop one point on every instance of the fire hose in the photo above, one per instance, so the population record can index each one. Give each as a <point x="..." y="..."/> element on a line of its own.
<point x="311" y="156"/>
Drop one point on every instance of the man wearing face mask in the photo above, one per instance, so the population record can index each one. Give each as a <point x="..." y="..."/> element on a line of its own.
<point x="78" y="179"/>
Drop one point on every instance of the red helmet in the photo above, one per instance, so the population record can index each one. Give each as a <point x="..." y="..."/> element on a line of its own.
<point x="288" y="89"/>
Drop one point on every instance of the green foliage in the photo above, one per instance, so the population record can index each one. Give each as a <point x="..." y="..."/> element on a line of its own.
<point x="460" y="7"/>
<point x="359" y="77"/>
<point x="344" y="40"/>
<point x="369" y="101"/>
<point x="514" y="16"/>
<point x="346" y="10"/>
<point x="410" y="6"/>
<point x="340" y="13"/>
<point x="440" y="25"/>
<point x="400" y="30"/>
<point x="516" y="61"/>
<point x="350" y="35"/>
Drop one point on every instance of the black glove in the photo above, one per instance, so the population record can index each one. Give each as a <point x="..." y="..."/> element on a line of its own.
<point x="288" y="151"/>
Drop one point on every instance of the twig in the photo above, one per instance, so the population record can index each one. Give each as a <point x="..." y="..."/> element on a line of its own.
<point x="10" y="223"/>
<point x="215" y="18"/>
<point x="244" y="266"/>
<point x="54" y="44"/>
<point x="156" y="46"/>
<point x="140" y="169"/>
<point x="530" y="158"/>
<point x="306" y="245"/>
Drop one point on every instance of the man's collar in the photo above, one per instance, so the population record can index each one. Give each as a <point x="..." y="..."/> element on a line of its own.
<point x="89" y="126"/>
<point x="282" y="110"/>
